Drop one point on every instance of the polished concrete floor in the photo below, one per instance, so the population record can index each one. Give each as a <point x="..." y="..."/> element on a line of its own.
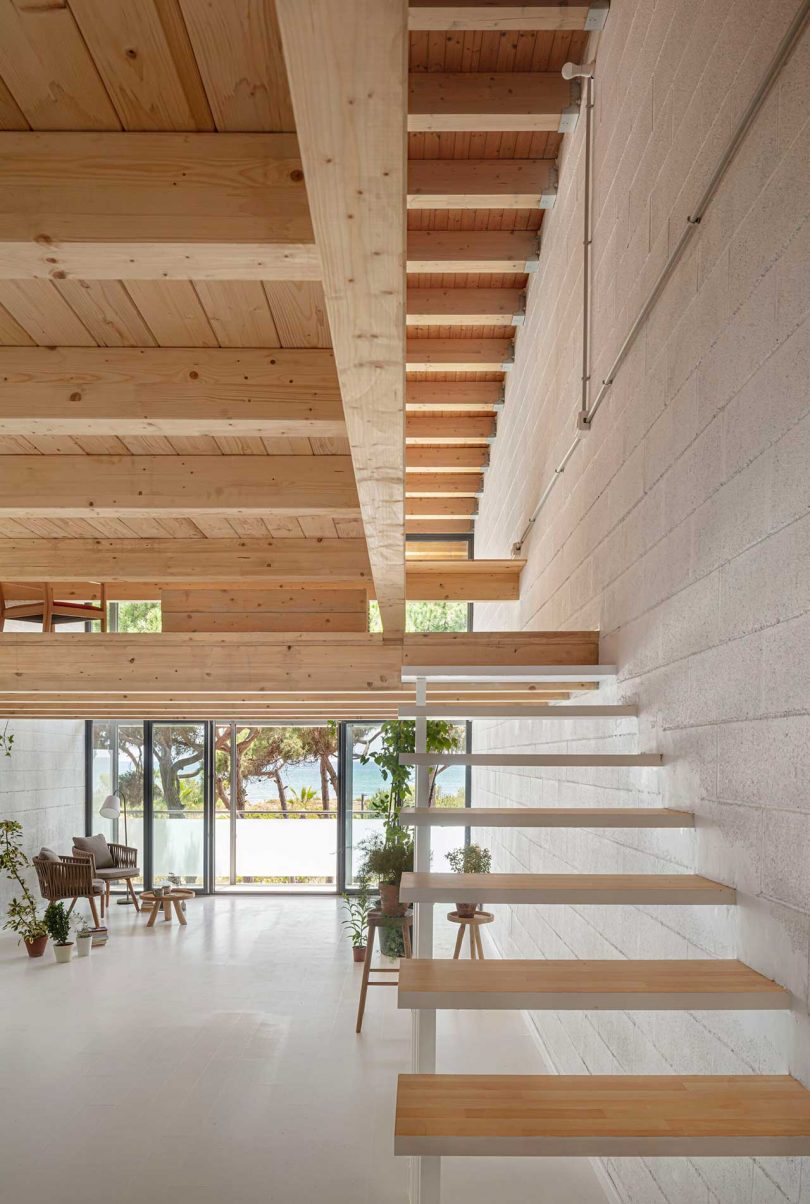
<point x="218" y="1063"/>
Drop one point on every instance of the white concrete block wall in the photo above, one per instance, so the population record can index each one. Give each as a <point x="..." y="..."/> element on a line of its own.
<point x="680" y="529"/>
<point x="42" y="786"/>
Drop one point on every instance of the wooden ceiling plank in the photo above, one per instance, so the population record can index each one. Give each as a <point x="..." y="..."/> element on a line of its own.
<point x="11" y="115"/>
<point x="440" y="508"/>
<point x="48" y="69"/>
<point x="140" y="206"/>
<point x="238" y="49"/>
<point x="484" y="251"/>
<point x="299" y="312"/>
<point x="120" y="486"/>
<point x="107" y="311"/>
<point x="11" y="333"/>
<point x="238" y="312"/>
<point x="44" y="314"/>
<point x="173" y="312"/>
<point x="481" y="183"/>
<point x="448" y="526"/>
<point x="353" y="150"/>
<point x="478" y="101"/>
<point x="496" y="15"/>
<point x="465" y="306"/>
<point x="144" y="56"/>
<point x="435" y="484"/>
<point x="459" y="355"/>
<point x="444" y="456"/>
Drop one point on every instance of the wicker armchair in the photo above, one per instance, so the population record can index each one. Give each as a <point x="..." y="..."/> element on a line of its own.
<point x="70" y="878"/>
<point x="123" y="869"/>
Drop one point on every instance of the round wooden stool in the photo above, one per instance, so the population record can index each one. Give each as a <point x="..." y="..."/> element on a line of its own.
<point x="376" y="919"/>
<point x="474" y="923"/>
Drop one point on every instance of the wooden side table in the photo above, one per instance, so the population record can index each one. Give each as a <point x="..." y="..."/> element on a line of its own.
<point x="174" y="898"/>
<point x="474" y="924"/>
<point x="376" y="920"/>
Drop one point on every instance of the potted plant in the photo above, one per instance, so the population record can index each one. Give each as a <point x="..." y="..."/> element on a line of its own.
<point x="84" y="937"/>
<point x="469" y="859"/>
<point x="387" y="858"/>
<point x="57" y="921"/>
<point x="356" y="923"/>
<point x="23" y="917"/>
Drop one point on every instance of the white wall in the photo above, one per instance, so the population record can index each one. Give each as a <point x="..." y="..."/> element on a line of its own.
<point x="42" y="786"/>
<point x="681" y="530"/>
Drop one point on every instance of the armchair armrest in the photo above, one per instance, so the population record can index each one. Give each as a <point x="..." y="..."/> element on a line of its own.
<point x="124" y="855"/>
<point x="84" y="855"/>
<point x="74" y="875"/>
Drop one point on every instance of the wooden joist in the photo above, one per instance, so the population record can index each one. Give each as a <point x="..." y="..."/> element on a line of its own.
<point x="144" y="391"/>
<point x="444" y="456"/>
<point x="440" y="484"/>
<point x="347" y="66"/>
<point x="475" y="101"/>
<point x="602" y="1116"/>
<point x="465" y="580"/>
<point x="506" y="15"/>
<point x="329" y="562"/>
<point x="449" y="428"/>
<point x="473" y="251"/>
<point x="699" y="984"/>
<point x="547" y="817"/>
<point x="459" y="355"/>
<point x="154" y="206"/>
<point x="428" y="526"/>
<point x="562" y="649"/>
<point x="437" y="509"/>
<point x="538" y="760"/>
<point x="441" y="394"/>
<point x="435" y="710"/>
<point x="264" y="610"/>
<point x="481" y="183"/>
<point x="112" y="486"/>
<point x="465" y="306"/>
<point x="642" y="890"/>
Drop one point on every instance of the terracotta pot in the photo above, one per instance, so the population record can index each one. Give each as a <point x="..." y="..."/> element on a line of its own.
<point x="36" y="947"/>
<point x="389" y="901"/>
<point x="466" y="909"/>
<point x="358" y="953"/>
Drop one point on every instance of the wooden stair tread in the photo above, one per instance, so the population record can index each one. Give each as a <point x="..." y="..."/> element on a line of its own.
<point x="548" y="817"/>
<point x="572" y="984"/>
<point x="602" y="1115"/>
<point x="507" y="760"/>
<point x="635" y="889"/>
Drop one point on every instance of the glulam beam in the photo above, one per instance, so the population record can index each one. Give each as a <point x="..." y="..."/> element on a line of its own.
<point x="481" y="102"/>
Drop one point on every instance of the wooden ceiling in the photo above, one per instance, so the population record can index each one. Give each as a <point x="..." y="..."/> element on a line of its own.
<point x="177" y="261"/>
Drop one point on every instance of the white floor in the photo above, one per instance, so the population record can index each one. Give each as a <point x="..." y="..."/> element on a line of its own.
<point x="219" y="1063"/>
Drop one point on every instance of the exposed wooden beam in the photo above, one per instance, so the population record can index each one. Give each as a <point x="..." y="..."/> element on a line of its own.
<point x="460" y="355"/>
<point x="479" y="102"/>
<point x="347" y="66"/>
<point x="74" y="664"/>
<point x="264" y="610"/>
<point x="523" y="648"/>
<point x="441" y="484"/>
<point x="114" y="486"/>
<point x="440" y="508"/>
<point x="465" y="306"/>
<point x="481" y="183"/>
<point x="154" y="206"/>
<point x="504" y="15"/>
<point x="465" y="580"/>
<point x="425" y="427"/>
<point x="472" y="250"/>
<point x="168" y="391"/>
<point x="308" y="561"/>
<point x="442" y="394"/>
<point x="446" y="526"/>
<point x="444" y="456"/>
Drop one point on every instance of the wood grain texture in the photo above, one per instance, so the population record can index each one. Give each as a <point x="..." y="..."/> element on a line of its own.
<point x="510" y="100"/>
<point x="500" y="15"/>
<point x="347" y="68"/>
<point x="602" y="1115"/>
<point x="484" y="251"/>
<point x="601" y="889"/>
<point x="464" y="306"/>
<point x="594" y="985"/>
<point x="264" y="610"/>
<point x="478" y="183"/>
<point x="547" y="817"/>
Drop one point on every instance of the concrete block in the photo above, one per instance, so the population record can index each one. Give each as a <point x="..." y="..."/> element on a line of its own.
<point x="763" y="762"/>
<point x="767" y="584"/>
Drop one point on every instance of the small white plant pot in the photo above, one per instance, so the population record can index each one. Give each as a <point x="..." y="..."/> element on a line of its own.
<point x="63" y="953"/>
<point x="84" y="944"/>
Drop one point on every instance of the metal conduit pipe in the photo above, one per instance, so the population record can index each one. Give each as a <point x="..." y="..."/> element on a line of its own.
<point x="585" y="418"/>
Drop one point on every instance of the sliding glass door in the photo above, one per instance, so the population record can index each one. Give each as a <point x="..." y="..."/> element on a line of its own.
<point x="178" y="802"/>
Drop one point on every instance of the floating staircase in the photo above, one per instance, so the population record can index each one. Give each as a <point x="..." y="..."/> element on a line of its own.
<point x="441" y="1115"/>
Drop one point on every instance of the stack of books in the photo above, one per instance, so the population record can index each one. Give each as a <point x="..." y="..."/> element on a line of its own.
<point x="100" y="935"/>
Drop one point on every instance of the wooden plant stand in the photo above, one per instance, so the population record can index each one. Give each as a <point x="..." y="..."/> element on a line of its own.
<point x="474" y="923"/>
<point x="376" y="920"/>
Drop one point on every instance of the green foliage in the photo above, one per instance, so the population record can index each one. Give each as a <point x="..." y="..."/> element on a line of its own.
<point x="136" y="617"/>
<point x="399" y="737"/>
<point x="6" y="740"/>
<point x="357" y="908"/>
<point x="425" y="616"/>
<point x="57" y="922"/>
<point x="22" y="915"/>
<point x="470" y="859"/>
<point x="387" y="857"/>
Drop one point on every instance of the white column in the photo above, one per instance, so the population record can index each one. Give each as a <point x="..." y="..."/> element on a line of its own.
<point x="425" y="1172"/>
